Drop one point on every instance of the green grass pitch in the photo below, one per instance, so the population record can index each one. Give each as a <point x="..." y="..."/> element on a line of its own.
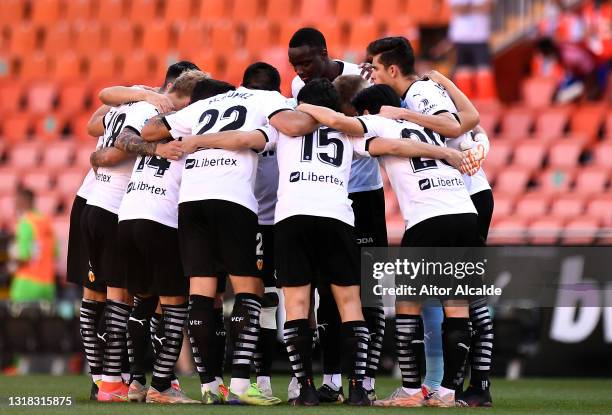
<point x="524" y="397"/>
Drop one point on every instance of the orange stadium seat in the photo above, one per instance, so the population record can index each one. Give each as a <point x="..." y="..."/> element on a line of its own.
<point x="11" y="96"/>
<point x="11" y="11"/>
<point x="72" y="97"/>
<point x="315" y="10"/>
<point x="532" y="205"/>
<point x="47" y="203"/>
<point x="550" y="123"/>
<point x="58" y="155"/>
<point x="213" y="10"/>
<point x="8" y="180"/>
<point x="81" y="159"/>
<point x="58" y="38"/>
<point x="41" y="97"/>
<point x="78" y="126"/>
<point x="333" y="35"/>
<point x="601" y="207"/>
<point x="587" y="121"/>
<point x="223" y="36"/>
<point x="177" y="11"/>
<point x="504" y="205"/>
<point x="530" y="154"/>
<point x="156" y="36"/>
<point x="567" y="206"/>
<point x="512" y="179"/>
<point x="69" y="181"/>
<point x="245" y="10"/>
<point x="565" y="153"/>
<point x="38" y="180"/>
<point x="34" y="67"/>
<point x="545" y="231"/>
<point x="7" y="210"/>
<point x="386" y="10"/>
<point x="555" y="180"/>
<point x="362" y="32"/>
<point x="580" y="231"/>
<point x="120" y="37"/>
<point x="22" y="39"/>
<point x="78" y="10"/>
<point x="49" y="127"/>
<point x="489" y="120"/>
<point x="350" y="10"/>
<point x="110" y="11"/>
<point x="16" y="127"/>
<point x="499" y="155"/>
<point x="102" y="66"/>
<point x="190" y="37"/>
<point x="508" y="231"/>
<point x="25" y="156"/>
<point x="87" y="38"/>
<point x="67" y="66"/>
<point x="136" y="66"/>
<point x="45" y="11"/>
<point x="603" y="154"/>
<point x="517" y="123"/>
<point x="142" y="11"/>
<point x="538" y="92"/>
<point x="280" y="10"/>
<point x="591" y="180"/>
<point x="258" y="36"/>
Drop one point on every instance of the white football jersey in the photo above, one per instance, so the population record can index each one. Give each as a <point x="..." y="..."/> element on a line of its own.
<point x="424" y="187"/>
<point x="90" y="177"/>
<point x="153" y="190"/>
<point x="428" y="97"/>
<point x="365" y="172"/>
<point x="111" y="182"/>
<point x="266" y="186"/>
<point x="313" y="174"/>
<point x="218" y="173"/>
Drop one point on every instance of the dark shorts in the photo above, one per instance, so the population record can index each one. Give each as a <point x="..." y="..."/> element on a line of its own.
<point x="460" y="231"/>
<point x="309" y="249"/>
<point x="483" y="202"/>
<point x="100" y="228"/>
<point x="444" y="231"/>
<point x="151" y="258"/>
<point x="217" y="234"/>
<point x="265" y="254"/>
<point x="473" y="54"/>
<point x="370" y="223"/>
<point x="78" y="268"/>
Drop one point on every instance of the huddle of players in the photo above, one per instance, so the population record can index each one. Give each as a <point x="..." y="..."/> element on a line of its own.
<point x="249" y="182"/>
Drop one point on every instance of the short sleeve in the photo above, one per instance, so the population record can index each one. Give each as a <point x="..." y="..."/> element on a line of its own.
<point x="429" y="98"/>
<point x="272" y="103"/>
<point x="271" y="135"/>
<point x="360" y="146"/>
<point x="296" y="85"/>
<point x="372" y="125"/>
<point x="181" y="123"/>
<point x="138" y="114"/>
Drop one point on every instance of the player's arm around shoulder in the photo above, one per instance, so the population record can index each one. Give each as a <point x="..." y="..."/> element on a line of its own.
<point x="156" y="129"/>
<point x="462" y="161"/>
<point x="336" y="120"/>
<point x="228" y="140"/>
<point x="119" y="95"/>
